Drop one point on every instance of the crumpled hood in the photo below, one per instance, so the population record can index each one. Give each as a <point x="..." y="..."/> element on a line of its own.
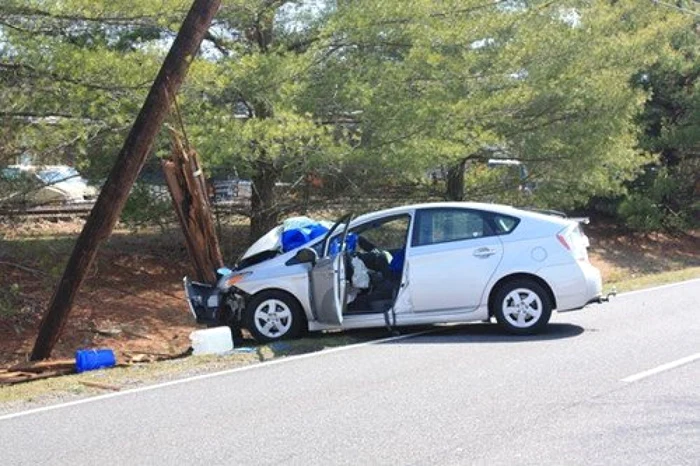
<point x="270" y="241"/>
<point x="280" y="239"/>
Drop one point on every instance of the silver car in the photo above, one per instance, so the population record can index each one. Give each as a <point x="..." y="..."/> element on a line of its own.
<point x="418" y="264"/>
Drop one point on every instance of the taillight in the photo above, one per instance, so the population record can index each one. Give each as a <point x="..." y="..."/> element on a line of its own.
<point x="563" y="242"/>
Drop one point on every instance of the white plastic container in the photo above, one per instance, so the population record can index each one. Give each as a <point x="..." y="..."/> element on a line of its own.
<point x="215" y="340"/>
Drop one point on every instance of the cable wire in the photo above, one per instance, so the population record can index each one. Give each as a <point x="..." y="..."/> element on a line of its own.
<point x="676" y="7"/>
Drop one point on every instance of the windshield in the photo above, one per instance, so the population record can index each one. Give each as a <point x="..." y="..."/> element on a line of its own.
<point x="62" y="174"/>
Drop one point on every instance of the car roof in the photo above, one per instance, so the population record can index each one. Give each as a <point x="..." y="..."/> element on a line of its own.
<point x="489" y="207"/>
<point x="437" y="205"/>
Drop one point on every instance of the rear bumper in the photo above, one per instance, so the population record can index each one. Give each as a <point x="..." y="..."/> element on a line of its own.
<point x="203" y="301"/>
<point x="575" y="285"/>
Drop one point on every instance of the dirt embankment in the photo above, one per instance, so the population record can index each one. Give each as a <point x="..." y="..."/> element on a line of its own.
<point x="623" y="256"/>
<point x="131" y="301"/>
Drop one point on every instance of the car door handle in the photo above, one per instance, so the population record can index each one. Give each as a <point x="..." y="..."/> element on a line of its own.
<point x="484" y="252"/>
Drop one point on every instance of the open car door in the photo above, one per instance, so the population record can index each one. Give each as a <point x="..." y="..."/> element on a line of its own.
<point x="328" y="276"/>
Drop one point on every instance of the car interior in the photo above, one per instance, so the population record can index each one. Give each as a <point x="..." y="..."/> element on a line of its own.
<point x="380" y="247"/>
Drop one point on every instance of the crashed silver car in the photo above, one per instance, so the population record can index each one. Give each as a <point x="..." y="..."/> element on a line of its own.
<point x="418" y="264"/>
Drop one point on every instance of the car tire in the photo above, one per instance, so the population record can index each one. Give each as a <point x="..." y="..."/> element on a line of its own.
<point x="273" y="315"/>
<point x="522" y="307"/>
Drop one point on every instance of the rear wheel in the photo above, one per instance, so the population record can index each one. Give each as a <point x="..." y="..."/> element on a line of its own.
<point x="273" y="315"/>
<point x="522" y="307"/>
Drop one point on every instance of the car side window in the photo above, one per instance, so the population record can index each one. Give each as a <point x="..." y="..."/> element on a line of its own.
<point x="504" y="224"/>
<point x="388" y="234"/>
<point x="434" y="226"/>
<point x="384" y="234"/>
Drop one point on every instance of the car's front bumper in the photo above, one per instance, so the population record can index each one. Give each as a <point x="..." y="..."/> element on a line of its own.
<point x="203" y="301"/>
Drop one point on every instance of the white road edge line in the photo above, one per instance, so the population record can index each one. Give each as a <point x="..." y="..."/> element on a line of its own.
<point x="662" y="368"/>
<point x="655" y="288"/>
<point x="214" y="374"/>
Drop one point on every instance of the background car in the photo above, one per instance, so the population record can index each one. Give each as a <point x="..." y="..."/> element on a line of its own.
<point x="426" y="264"/>
<point x="46" y="184"/>
<point x="229" y="189"/>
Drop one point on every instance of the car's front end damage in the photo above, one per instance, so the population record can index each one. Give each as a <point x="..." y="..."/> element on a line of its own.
<point x="223" y="303"/>
<point x="219" y="304"/>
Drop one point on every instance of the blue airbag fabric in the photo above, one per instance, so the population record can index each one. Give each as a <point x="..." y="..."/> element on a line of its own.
<point x="295" y="237"/>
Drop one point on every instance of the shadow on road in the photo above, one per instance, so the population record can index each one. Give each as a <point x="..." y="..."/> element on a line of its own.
<point x="488" y="333"/>
<point x="462" y="333"/>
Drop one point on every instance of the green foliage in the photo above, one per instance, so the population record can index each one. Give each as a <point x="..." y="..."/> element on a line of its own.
<point x="641" y="213"/>
<point x="148" y="204"/>
<point x="433" y="83"/>
<point x="362" y="93"/>
<point x="665" y="195"/>
<point x="664" y="199"/>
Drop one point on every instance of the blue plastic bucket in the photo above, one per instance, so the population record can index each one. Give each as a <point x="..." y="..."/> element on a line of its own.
<point x="91" y="359"/>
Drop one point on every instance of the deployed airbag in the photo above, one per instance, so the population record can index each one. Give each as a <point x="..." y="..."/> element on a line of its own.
<point x="298" y="231"/>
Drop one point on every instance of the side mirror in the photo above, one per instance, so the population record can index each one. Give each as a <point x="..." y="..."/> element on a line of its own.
<point x="306" y="256"/>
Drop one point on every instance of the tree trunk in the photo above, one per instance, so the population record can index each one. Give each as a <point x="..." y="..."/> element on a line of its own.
<point x="116" y="189"/>
<point x="264" y="208"/>
<point x="455" y="181"/>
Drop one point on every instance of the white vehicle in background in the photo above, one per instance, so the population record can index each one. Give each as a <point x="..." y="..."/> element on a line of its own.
<point x="46" y="184"/>
<point x="418" y="264"/>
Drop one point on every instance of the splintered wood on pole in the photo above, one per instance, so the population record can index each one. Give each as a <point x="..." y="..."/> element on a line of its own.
<point x="138" y="144"/>
<point x="188" y="190"/>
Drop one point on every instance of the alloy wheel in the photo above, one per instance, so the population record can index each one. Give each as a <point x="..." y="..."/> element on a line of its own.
<point x="272" y="318"/>
<point x="522" y="308"/>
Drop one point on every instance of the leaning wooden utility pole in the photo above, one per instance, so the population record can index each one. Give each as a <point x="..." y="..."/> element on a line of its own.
<point x="116" y="189"/>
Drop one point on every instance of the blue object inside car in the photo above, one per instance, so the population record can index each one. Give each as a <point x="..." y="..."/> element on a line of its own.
<point x="295" y="237"/>
<point x="350" y="244"/>
<point x="397" y="259"/>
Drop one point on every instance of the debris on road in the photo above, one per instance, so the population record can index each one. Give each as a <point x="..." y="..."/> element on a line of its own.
<point x="217" y="340"/>
<point x="104" y="386"/>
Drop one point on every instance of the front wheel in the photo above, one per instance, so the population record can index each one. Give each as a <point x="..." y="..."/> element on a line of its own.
<point x="273" y="315"/>
<point x="522" y="307"/>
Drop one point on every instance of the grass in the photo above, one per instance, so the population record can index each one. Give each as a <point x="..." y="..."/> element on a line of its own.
<point x="71" y="387"/>
<point x="631" y="261"/>
<point x="631" y="283"/>
<point x="43" y="256"/>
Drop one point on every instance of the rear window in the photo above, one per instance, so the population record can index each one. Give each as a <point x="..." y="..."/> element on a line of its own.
<point x="504" y="224"/>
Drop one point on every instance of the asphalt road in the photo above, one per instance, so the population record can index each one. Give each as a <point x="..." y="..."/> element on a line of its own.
<point x="463" y="395"/>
